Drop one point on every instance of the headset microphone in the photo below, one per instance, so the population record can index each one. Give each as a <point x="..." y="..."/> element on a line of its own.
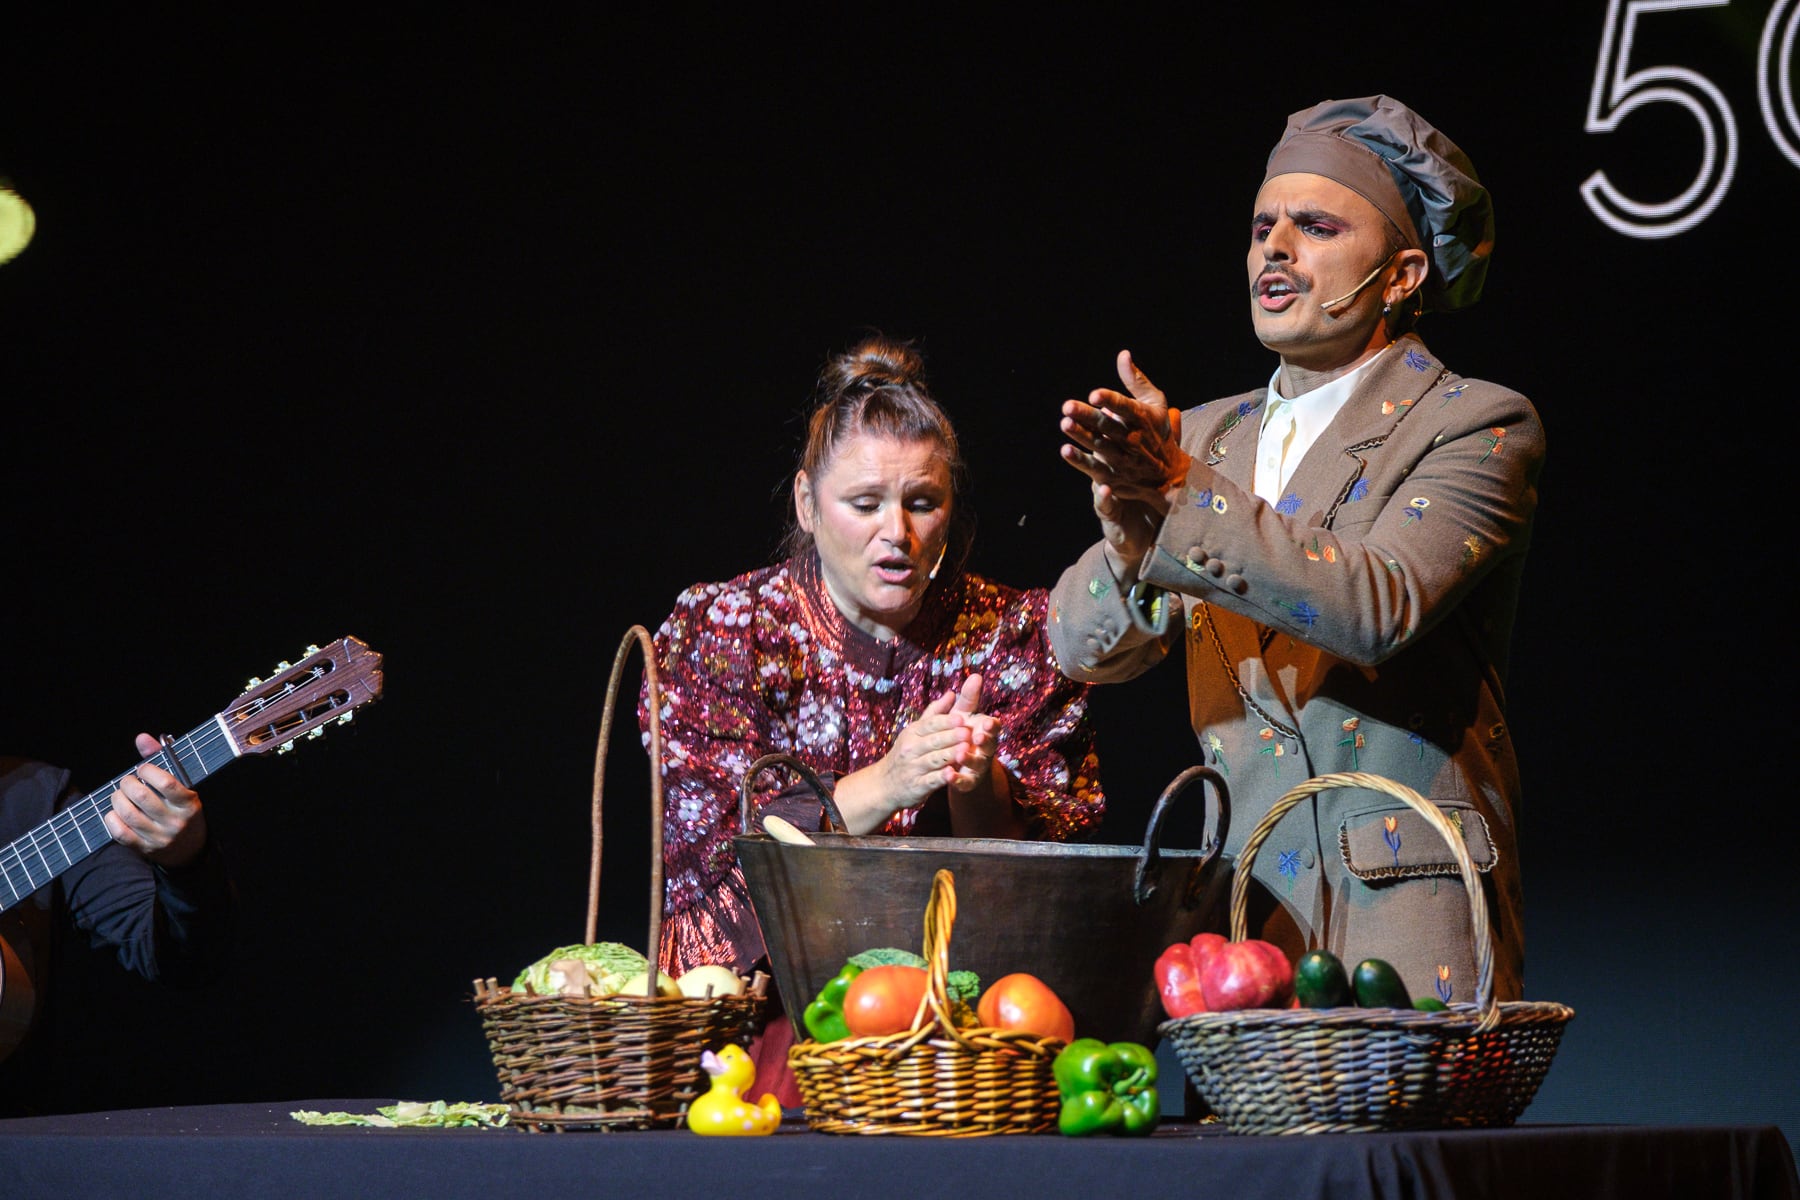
<point x="1367" y="280"/>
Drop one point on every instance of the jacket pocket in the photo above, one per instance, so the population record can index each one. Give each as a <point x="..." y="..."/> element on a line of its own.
<point x="1411" y="848"/>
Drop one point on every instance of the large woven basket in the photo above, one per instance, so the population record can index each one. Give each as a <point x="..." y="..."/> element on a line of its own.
<point x="617" y="1062"/>
<point x="934" y="1080"/>
<point x="1332" y="1070"/>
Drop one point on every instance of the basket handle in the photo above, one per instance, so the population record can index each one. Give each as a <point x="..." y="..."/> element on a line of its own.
<point x="1434" y="816"/>
<point x="639" y="637"/>
<point x="940" y="916"/>
<point x="1218" y="815"/>
<point x="805" y="772"/>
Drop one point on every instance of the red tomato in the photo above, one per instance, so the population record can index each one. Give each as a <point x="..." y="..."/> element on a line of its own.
<point x="1026" y="1003"/>
<point x="882" y="1000"/>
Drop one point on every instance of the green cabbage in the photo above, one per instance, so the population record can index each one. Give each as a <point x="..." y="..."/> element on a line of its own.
<point x="964" y="986"/>
<point x="887" y="956"/>
<point x="609" y="965"/>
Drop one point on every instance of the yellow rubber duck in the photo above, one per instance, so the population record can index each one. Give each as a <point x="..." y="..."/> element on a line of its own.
<point x="723" y="1111"/>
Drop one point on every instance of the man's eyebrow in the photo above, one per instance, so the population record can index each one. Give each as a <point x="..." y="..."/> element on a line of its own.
<point x="1300" y="216"/>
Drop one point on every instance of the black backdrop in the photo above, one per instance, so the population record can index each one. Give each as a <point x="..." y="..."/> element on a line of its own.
<point x="479" y="335"/>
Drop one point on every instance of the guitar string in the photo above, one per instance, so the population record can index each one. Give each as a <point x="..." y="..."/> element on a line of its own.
<point x="78" y="820"/>
<point x="92" y="807"/>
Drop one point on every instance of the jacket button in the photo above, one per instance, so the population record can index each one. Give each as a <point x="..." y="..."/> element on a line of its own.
<point x="1215" y="567"/>
<point x="1236" y="583"/>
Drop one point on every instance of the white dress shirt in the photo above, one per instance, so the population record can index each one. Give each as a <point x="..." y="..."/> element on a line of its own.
<point x="1290" y="427"/>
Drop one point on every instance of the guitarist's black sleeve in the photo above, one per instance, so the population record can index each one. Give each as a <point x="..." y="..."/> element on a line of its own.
<point x="173" y="926"/>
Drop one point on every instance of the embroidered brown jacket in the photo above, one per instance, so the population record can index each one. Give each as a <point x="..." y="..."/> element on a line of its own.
<point x="1362" y="623"/>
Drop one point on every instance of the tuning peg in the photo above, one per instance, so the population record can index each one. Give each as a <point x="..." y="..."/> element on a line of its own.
<point x="254" y="681"/>
<point x="312" y="649"/>
<point x="283" y="665"/>
<point x="317" y="731"/>
<point x="347" y="717"/>
<point x="284" y="747"/>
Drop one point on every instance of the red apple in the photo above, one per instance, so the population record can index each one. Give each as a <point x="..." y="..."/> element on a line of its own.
<point x="1247" y="974"/>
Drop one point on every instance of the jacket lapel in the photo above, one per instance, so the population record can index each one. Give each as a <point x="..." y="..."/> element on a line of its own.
<point x="1230" y="449"/>
<point x="1402" y="376"/>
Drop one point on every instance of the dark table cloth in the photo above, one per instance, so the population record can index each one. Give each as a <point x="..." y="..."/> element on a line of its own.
<point x="258" y="1150"/>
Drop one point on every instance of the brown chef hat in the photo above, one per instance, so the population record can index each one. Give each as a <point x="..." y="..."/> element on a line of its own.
<point x="1395" y="159"/>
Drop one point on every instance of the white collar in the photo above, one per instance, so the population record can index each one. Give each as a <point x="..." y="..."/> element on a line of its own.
<point x="1314" y="410"/>
<point x="1277" y="453"/>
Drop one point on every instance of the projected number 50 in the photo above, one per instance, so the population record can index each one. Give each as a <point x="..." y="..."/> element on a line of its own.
<point x="1620" y="91"/>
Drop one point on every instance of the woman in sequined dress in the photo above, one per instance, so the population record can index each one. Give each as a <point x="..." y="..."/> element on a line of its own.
<point x="924" y="695"/>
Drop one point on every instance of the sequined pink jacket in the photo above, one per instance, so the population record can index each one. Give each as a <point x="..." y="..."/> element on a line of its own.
<point x="766" y="663"/>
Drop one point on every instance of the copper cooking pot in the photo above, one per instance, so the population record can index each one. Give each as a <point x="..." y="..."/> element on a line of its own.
<point x="1089" y="920"/>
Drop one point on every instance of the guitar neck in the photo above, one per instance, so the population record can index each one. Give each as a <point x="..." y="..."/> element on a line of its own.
<point x="78" y="830"/>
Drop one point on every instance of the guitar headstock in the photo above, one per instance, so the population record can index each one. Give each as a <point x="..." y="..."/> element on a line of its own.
<point x="300" y="699"/>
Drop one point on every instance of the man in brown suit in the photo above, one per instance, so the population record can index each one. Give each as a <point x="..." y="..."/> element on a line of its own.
<point x="1341" y="553"/>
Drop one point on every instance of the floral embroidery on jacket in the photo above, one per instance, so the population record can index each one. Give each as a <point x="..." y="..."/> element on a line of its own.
<point x="1496" y="441"/>
<point x="1270" y="746"/>
<point x="1352" y="738"/>
<point x="1288" y="865"/>
<point x="1302" y="610"/>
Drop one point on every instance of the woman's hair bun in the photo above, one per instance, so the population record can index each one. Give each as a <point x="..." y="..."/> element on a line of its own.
<point x="874" y="362"/>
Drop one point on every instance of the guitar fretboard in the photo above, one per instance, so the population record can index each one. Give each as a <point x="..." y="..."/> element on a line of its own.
<point x="77" y="831"/>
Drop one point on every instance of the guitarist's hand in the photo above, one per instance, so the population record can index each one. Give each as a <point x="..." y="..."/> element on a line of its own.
<point x="155" y="815"/>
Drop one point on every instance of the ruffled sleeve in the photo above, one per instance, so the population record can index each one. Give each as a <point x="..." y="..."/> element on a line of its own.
<point x="1046" y="742"/>
<point x="721" y="655"/>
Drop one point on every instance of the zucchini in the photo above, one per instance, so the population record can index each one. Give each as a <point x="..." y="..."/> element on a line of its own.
<point x="1377" y="985"/>
<point x="1320" y="980"/>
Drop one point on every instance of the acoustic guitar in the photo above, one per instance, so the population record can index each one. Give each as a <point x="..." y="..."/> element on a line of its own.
<point x="299" y="701"/>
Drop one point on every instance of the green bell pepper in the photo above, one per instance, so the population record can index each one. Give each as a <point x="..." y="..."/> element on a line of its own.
<point x="824" y="1017"/>
<point x="1106" y="1088"/>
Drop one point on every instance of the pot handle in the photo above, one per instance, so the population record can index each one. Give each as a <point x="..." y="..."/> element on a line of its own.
<point x="1218" y="818"/>
<point x="805" y="772"/>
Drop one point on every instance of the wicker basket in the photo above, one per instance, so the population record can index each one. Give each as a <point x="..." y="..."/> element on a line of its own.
<point x="618" y="1062"/>
<point x="934" y="1080"/>
<point x="1332" y="1070"/>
